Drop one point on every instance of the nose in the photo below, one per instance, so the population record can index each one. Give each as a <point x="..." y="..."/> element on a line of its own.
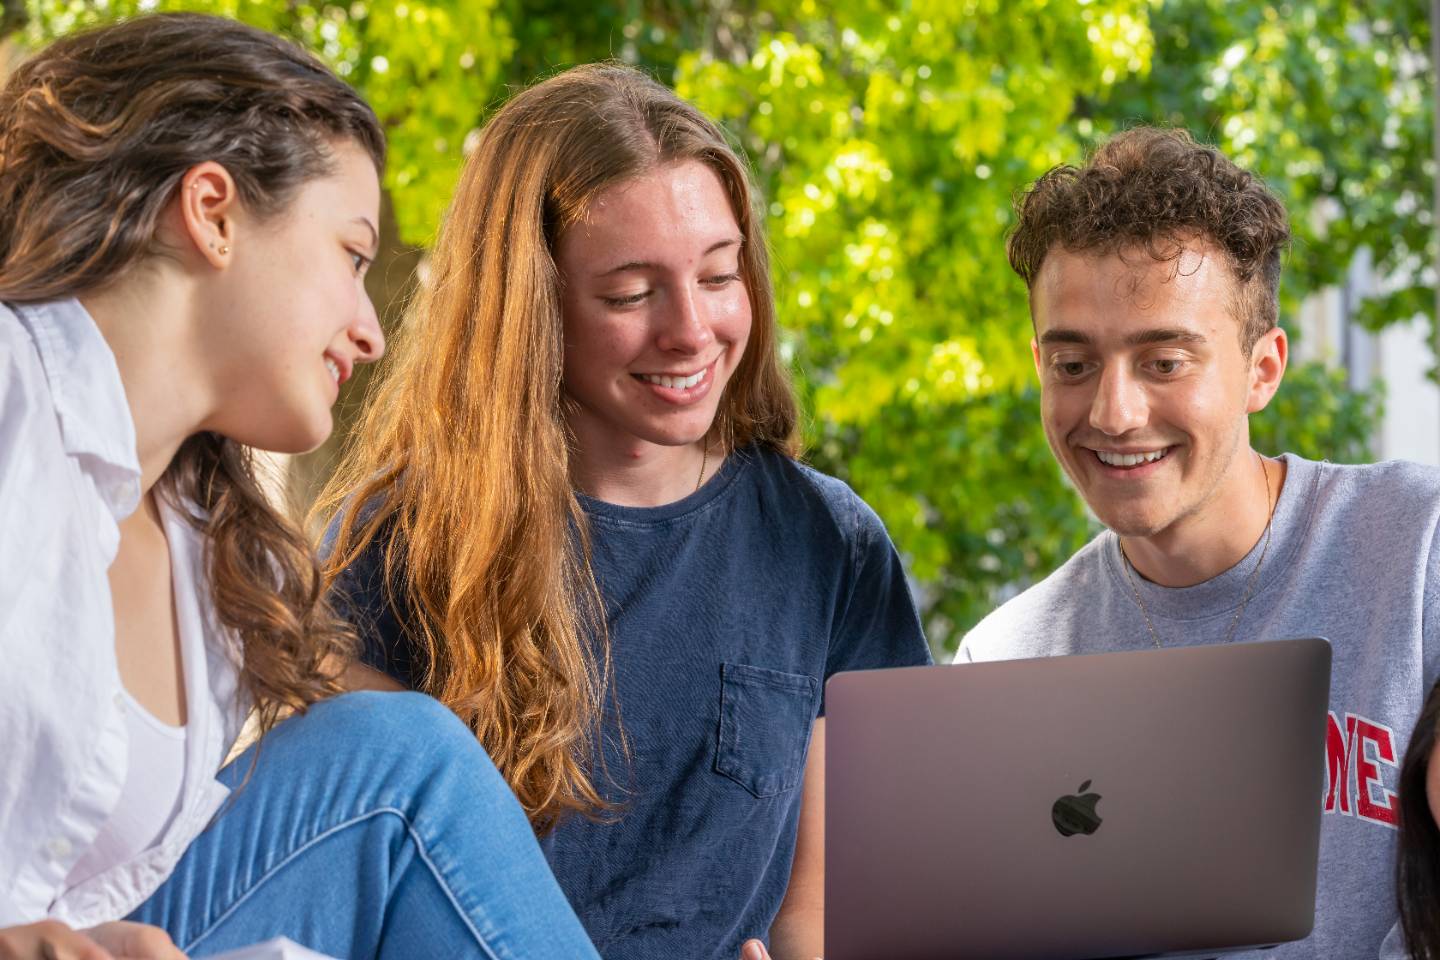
<point x="1119" y="404"/>
<point x="365" y="333"/>
<point x="685" y="328"/>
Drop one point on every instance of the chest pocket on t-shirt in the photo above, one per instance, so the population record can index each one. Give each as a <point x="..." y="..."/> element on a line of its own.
<point x="765" y="720"/>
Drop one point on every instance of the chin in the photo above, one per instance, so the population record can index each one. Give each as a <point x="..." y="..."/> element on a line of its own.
<point x="311" y="442"/>
<point x="300" y="438"/>
<point x="677" y="434"/>
<point x="1133" y="524"/>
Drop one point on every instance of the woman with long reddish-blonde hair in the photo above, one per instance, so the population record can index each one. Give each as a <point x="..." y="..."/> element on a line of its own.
<point x="187" y="208"/>
<point x="572" y="512"/>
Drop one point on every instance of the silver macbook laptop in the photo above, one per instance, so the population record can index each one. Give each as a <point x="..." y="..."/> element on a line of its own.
<point x="1154" y="803"/>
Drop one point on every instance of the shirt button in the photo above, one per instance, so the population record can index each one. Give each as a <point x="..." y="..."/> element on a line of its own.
<point x="59" y="848"/>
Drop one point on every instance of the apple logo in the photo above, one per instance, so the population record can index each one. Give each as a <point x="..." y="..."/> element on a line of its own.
<point x="1075" y="813"/>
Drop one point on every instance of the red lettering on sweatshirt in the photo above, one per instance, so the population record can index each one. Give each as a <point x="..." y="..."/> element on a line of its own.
<point x="1337" y="765"/>
<point x="1374" y="744"/>
<point x="1354" y="757"/>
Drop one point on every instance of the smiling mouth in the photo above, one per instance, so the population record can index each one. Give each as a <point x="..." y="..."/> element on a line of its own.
<point x="676" y="381"/>
<point x="1129" y="461"/>
<point x="338" y="369"/>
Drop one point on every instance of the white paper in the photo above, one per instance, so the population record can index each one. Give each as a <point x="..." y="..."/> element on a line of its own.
<point x="281" y="948"/>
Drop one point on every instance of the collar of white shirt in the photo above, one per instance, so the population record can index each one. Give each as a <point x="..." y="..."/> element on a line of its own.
<point x="89" y="398"/>
<point x="63" y="406"/>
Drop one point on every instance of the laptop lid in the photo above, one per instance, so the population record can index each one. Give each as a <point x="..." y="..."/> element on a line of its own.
<point x="1110" y="805"/>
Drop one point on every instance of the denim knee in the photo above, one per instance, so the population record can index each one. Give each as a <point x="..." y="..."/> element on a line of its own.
<point x="377" y="719"/>
<point x="409" y="742"/>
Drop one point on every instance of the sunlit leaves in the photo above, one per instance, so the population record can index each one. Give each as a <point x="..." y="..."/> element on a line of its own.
<point x="1332" y="103"/>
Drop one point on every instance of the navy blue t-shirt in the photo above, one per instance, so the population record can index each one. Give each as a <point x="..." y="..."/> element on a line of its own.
<point x="727" y="612"/>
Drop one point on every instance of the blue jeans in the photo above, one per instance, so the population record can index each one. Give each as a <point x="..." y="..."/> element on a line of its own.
<point x="372" y="826"/>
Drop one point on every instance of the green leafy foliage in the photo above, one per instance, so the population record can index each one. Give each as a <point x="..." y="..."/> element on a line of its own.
<point x="888" y="140"/>
<point x="1317" y="415"/>
<point x="1330" y="101"/>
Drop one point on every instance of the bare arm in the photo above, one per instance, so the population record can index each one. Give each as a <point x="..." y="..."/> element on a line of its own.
<point x="798" y="932"/>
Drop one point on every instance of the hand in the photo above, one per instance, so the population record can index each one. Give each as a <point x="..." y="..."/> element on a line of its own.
<point x="49" y="940"/>
<point x="135" y="941"/>
<point x="755" y="950"/>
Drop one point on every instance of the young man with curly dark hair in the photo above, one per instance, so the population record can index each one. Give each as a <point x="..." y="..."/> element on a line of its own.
<point x="1153" y="274"/>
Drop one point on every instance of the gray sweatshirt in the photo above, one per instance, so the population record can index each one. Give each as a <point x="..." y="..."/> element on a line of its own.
<point x="1354" y="557"/>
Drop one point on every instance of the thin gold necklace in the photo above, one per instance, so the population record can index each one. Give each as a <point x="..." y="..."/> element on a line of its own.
<point x="1127" y="566"/>
<point x="704" y="458"/>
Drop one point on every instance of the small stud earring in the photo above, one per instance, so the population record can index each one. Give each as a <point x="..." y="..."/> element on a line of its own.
<point x="224" y="249"/>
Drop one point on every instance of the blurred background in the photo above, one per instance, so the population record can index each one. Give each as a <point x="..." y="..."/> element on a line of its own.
<point x="888" y="140"/>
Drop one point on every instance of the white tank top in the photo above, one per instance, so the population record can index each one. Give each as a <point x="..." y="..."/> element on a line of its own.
<point x="150" y="798"/>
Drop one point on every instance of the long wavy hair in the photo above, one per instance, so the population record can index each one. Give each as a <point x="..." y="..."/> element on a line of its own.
<point x="461" y="460"/>
<point x="1417" y="880"/>
<point x="96" y="132"/>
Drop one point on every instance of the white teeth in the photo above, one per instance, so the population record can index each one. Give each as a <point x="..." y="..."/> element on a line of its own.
<point x="334" y="368"/>
<point x="675" y="383"/>
<point x="1129" y="459"/>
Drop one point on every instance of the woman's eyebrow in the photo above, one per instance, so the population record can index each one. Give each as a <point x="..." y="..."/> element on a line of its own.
<point x="651" y="265"/>
<point x="374" y="234"/>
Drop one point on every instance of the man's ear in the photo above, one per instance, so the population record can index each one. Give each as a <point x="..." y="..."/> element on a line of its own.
<point x="208" y="202"/>
<point x="1267" y="368"/>
<point x="1035" y="355"/>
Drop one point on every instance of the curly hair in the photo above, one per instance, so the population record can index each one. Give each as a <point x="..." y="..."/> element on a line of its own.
<point x="96" y="132"/>
<point x="1156" y="190"/>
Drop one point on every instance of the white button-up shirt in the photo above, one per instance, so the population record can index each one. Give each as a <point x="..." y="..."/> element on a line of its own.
<point x="69" y="474"/>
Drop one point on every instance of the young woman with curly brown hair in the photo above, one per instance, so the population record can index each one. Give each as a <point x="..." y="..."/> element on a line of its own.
<point x="187" y="208"/>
